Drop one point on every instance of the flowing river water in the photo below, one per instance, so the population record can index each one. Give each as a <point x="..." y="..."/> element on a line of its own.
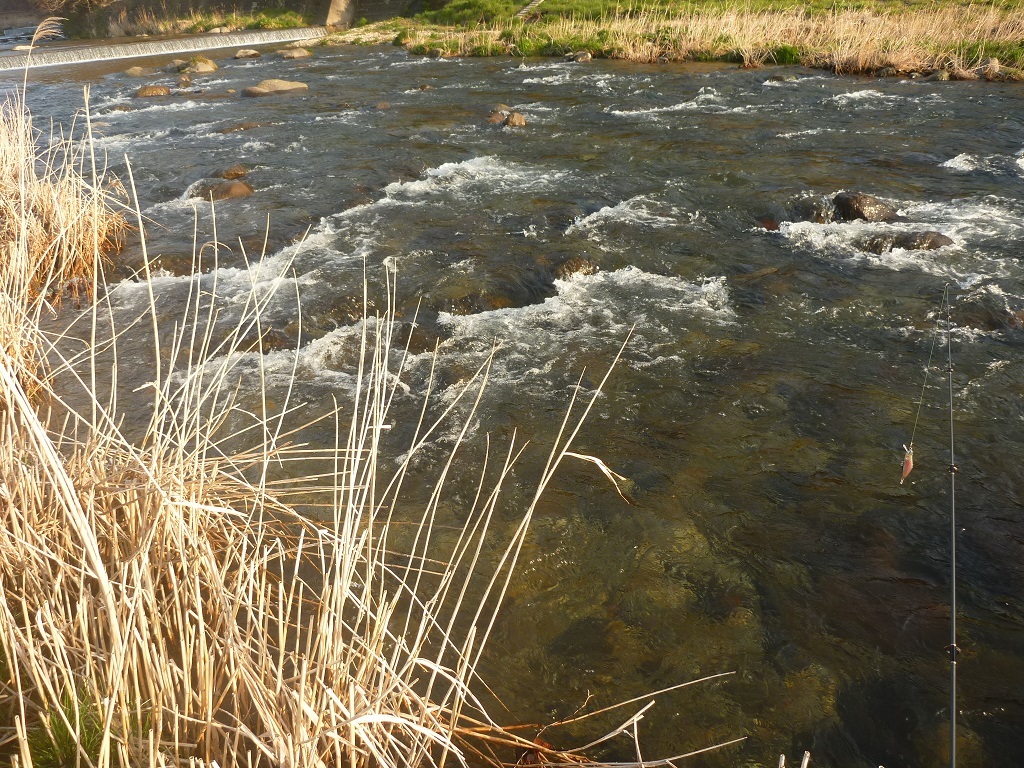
<point x="762" y="400"/>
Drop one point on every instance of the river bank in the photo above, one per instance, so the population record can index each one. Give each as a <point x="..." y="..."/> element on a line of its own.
<point x="950" y="41"/>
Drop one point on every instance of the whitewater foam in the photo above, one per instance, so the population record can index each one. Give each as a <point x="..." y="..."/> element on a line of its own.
<point x="635" y="211"/>
<point x="865" y="98"/>
<point x="706" y="100"/>
<point x="478" y="174"/>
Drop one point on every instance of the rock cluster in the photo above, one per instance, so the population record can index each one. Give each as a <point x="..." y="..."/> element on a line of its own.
<point x="504" y="115"/>
<point x="846" y="207"/>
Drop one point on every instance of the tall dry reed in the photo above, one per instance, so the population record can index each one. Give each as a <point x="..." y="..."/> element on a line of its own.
<point x="956" y="38"/>
<point x="47" y="209"/>
<point x="163" y="600"/>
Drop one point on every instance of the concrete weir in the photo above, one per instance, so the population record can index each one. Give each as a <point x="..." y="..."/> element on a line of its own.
<point x="75" y="54"/>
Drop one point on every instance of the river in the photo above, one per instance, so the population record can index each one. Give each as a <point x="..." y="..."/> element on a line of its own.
<point x="759" y="410"/>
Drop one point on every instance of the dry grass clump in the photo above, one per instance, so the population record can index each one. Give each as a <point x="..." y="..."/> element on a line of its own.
<point x="178" y="18"/>
<point x="162" y="600"/>
<point x="49" y="214"/>
<point x="55" y="228"/>
<point x="959" y="39"/>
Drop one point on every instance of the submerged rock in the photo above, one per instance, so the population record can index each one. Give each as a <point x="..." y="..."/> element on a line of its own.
<point x="850" y="206"/>
<point x="577" y="265"/>
<point x="224" y="190"/>
<point x="242" y="127"/>
<point x="988" y="312"/>
<point x="152" y="91"/>
<point x="909" y="241"/>
<point x="140" y="71"/>
<point x="922" y="241"/>
<point x="236" y="171"/>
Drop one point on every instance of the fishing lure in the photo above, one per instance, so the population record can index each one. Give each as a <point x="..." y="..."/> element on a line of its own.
<point x="908" y="462"/>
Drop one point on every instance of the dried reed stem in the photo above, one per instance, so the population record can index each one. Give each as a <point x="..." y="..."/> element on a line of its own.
<point x="162" y="604"/>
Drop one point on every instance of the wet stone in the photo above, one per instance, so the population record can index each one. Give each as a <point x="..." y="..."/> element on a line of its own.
<point x="515" y="120"/>
<point x="234" y="172"/>
<point x="224" y="190"/>
<point x="850" y="206"/>
<point x="152" y="91"/>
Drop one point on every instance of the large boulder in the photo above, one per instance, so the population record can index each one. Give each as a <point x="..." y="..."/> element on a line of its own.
<point x="268" y="87"/>
<point x="224" y="190"/>
<point x="200" y="65"/>
<point x="247" y="53"/>
<point x="152" y="91"/>
<point x="850" y="206"/>
<point x="515" y="120"/>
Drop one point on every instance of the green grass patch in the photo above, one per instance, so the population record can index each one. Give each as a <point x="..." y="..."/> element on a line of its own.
<point x="462" y="12"/>
<point x="786" y="54"/>
<point x="1011" y="53"/>
<point x="54" y="745"/>
<point x="469" y="12"/>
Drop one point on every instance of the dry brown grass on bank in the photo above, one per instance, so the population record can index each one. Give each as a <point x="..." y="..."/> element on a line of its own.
<point x="49" y="214"/>
<point x="160" y="19"/>
<point x="163" y="603"/>
<point x="958" y="39"/>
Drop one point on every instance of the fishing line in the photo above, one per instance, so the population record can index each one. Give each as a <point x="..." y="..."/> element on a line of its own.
<point x="953" y="650"/>
<point x="931" y="354"/>
<point x="908" y="465"/>
<point x="908" y="455"/>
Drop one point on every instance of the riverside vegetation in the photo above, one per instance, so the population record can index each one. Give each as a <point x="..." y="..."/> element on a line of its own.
<point x="965" y="42"/>
<point x="188" y="594"/>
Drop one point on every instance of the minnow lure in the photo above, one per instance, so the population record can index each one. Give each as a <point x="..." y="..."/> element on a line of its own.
<point x="908" y="462"/>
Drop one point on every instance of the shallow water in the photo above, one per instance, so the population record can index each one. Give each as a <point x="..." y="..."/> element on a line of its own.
<point x="760" y="406"/>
